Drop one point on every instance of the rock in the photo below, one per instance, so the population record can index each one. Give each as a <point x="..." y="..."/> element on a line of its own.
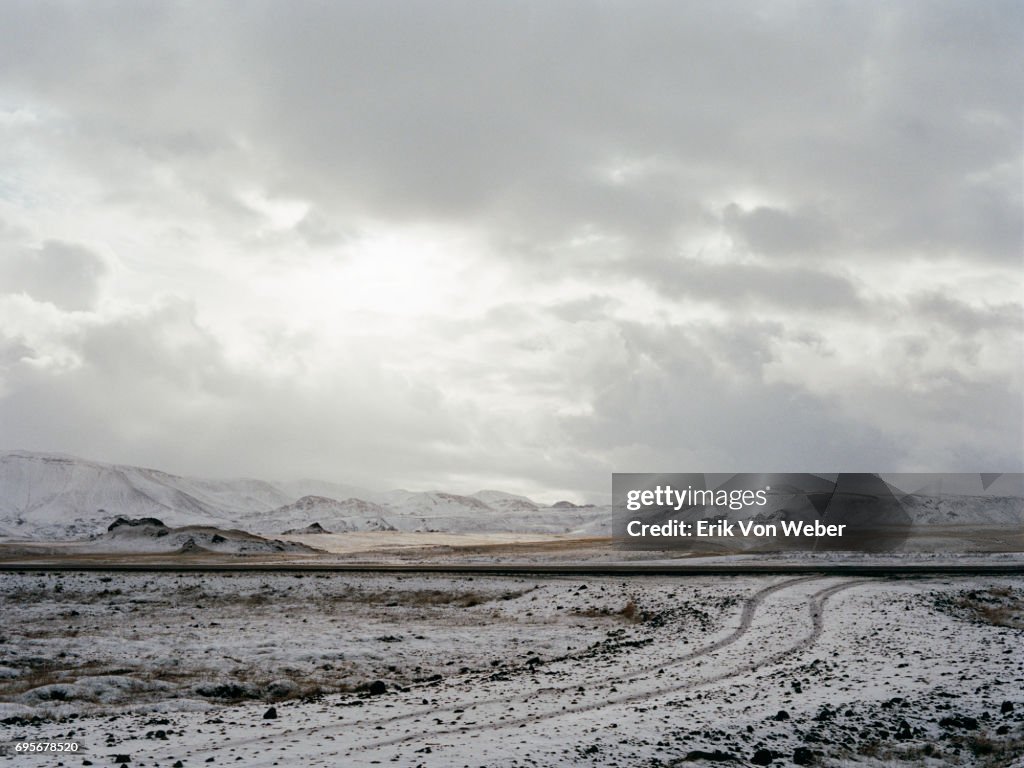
<point x="803" y="756"/>
<point x="312" y="528"/>
<point x="903" y="732"/>
<point x="763" y="757"/>
<point x="134" y="522"/>
<point x="190" y="547"/>
<point x="378" y="687"/>
<point x="121" y="759"/>
<point x="1006" y="708"/>
<point x="959" y="721"/>
<point x="781" y="715"/>
<point x="270" y="714"/>
<point x="178" y="764"/>
<point x="281" y="689"/>
<point x="226" y="690"/>
<point x="718" y="756"/>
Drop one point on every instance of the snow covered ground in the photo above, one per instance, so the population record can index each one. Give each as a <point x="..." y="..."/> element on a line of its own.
<point x="171" y="669"/>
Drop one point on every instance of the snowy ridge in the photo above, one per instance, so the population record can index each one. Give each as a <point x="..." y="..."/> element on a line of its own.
<point x="509" y="502"/>
<point x="55" y="496"/>
<point x="333" y="515"/>
<point x="50" y="495"/>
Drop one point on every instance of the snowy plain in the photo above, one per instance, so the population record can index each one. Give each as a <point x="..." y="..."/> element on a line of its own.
<point x="438" y="670"/>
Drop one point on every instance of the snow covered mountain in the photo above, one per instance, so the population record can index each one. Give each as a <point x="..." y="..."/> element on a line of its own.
<point x="333" y="515"/>
<point x="506" y="501"/>
<point x="55" y="496"/>
<point x="59" y="496"/>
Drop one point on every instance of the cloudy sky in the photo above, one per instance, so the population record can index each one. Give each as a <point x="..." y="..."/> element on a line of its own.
<point x="515" y="245"/>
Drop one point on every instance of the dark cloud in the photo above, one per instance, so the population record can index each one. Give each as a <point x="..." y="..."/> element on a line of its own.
<point x="772" y="231"/>
<point x="683" y="396"/>
<point x="741" y="285"/>
<point x="970" y="320"/>
<point x="64" y="274"/>
<point x="896" y="118"/>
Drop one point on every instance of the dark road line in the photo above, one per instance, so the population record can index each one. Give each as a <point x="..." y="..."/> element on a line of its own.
<point x="527" y="569"/>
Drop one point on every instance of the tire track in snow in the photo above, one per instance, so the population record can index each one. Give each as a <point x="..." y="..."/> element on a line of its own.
<point x="815" y="604"/>
<point x="750" y="607"/>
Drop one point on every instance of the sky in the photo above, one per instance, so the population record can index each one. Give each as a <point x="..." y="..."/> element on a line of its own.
<point x="463" y="245"/>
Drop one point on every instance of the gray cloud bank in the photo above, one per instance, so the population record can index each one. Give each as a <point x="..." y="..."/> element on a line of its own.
<point x="633" y="237"/>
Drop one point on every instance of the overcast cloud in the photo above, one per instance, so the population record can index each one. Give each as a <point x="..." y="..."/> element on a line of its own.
<point x="461" y="245"/>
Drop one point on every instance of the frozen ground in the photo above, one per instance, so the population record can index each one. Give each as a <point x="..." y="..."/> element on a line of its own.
<point x="170" y="669"/>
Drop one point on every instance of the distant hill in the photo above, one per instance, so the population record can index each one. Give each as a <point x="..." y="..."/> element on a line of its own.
<point x="333" y="515"/>
<point x="152" y="535"/>
<point x="56" y="496"/>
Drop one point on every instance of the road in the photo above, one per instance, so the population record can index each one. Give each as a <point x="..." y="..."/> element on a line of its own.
<point x="523" y="569"/>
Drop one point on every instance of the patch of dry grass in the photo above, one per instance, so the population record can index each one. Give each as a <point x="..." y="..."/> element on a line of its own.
<point x="1000" y="606"/>
<point x="997" y="606"/>
<point x="629" y="613"/>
